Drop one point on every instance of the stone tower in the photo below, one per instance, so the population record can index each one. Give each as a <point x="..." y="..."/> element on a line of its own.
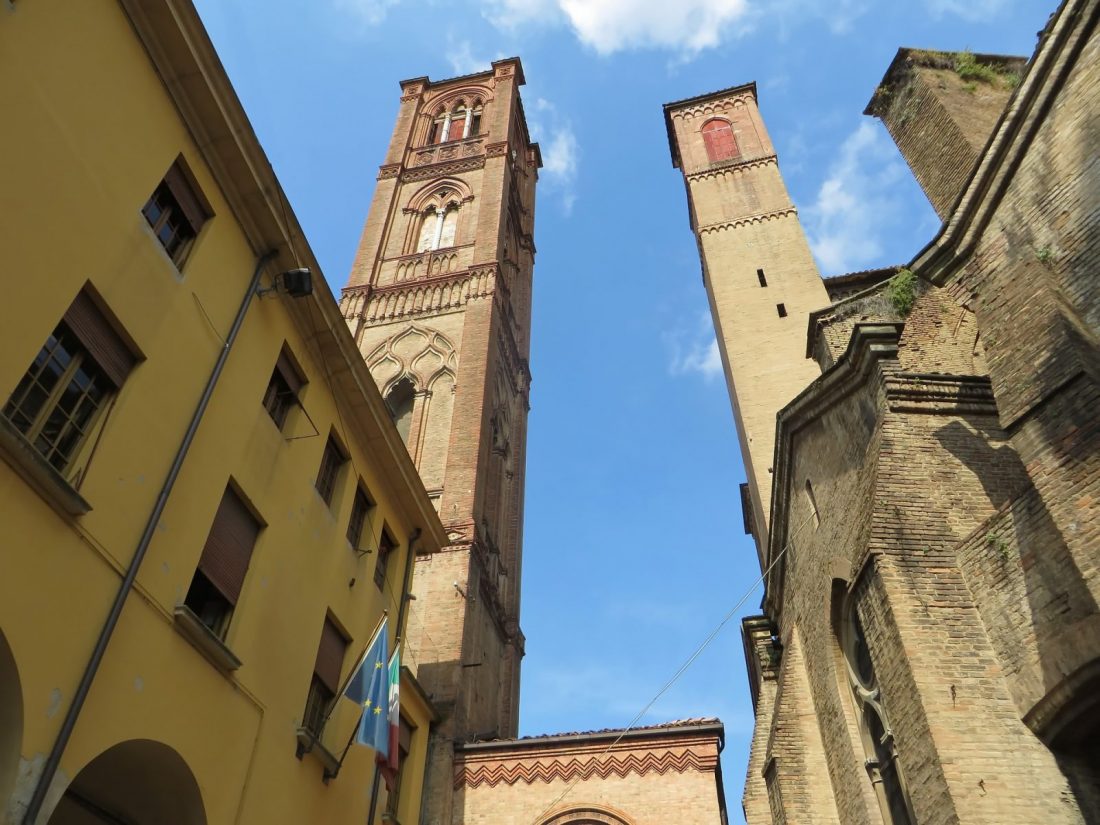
<point x="759" y="274"/>
<point x="439" y="301"/>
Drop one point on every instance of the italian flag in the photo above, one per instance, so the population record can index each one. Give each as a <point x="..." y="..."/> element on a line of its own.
<point x="387" y="761"/>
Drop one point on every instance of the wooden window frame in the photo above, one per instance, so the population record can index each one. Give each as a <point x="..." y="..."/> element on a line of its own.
<point x="62" y="398"/>
<point x="177" y="207"/>
<point x="387" y="546"/>
<point x="719" y="140"/>
<point x="360" y="508"/>
<point x="328" y="473"/>
<point x="219" y="577"/>
<point x="325" y="683"/>
<point x="281" y="395"/>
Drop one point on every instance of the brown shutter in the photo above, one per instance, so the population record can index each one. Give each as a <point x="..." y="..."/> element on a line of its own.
<point x="105" y="346"/>
<point x="719" y="140"/>
<point x="456" y="129"/>
<point x="404" y="737"/>
<point x="184" y="191"/>
<point x="286" y="369"/>
<point x="330" y="655"/>
<point x="229" y="546"/>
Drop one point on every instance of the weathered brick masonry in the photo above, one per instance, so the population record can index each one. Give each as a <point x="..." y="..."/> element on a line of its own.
<point x="930" y="649"/>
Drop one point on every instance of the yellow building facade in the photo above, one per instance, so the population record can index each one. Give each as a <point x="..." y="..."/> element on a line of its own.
<point x="206" y="508"/>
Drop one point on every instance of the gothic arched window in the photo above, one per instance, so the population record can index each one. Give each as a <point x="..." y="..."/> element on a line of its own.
<point x="457" y="123"/>
<point x="400" y="400"/>
<point x="438" y="226"/>
<point x="719" y="140"/>
<point x="878" y="740"/>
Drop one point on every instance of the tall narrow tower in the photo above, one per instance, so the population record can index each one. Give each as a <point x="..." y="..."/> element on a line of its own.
<point x="439" y="301"/>
<point x="757" y="267"/>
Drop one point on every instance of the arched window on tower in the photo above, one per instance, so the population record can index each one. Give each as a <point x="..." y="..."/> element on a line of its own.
<point x="457" y="123"/>
<point x="438" y="227"/>
<point x="450" y="224"/>
<point x="878" y="740"/>
<point x="400" y="400"/>
<point x="719" y="140"/>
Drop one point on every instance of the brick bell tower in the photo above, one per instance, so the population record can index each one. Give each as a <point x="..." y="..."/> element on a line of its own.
<point x="439" y="302"/>
<point x="760" y="277"/>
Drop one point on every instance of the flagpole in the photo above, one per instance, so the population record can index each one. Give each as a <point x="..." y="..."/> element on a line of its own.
<point x="355" y="670"/>
<point x="373" y="793"/>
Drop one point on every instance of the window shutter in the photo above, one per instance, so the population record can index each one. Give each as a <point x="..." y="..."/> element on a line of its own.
<point x="105" y="346"/>
<point x="330" y="655"/>
<point x="183" y="191"/>
<point x="456" y="129"/>
<point x="288" y="372"/>
<point x="404" y="736"/>
<point x="229" y="546"/>
<point x="719" y="140"/>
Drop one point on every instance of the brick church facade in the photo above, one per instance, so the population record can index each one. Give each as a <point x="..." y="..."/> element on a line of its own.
<point x="922" y="446"/>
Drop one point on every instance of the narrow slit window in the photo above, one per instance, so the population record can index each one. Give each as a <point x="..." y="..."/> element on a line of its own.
<point x="781" y="309"/>
<point x="760" y="277"/>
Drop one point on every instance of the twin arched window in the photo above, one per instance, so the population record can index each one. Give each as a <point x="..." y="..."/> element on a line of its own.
<point x="719" y="140"/>
<point x="438" y="225"/>
<point x="458" y="123"/>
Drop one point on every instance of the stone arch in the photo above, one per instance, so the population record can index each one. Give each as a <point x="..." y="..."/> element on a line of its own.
<point x="587" y="814"/>
<point x="139" y="782"/>
<point x="447" y="101"/>
<point x="11" y="719"/>
<point x="439" y="194"/>
<point x="420" y="353"/>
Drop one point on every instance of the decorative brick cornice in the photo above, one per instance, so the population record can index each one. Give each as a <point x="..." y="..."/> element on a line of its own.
<point x="940" y="394"/>
<point x="420" y="297"/>
<point x="439" y="170"/>
<point x="496" y="150"/>
<point x="568" y="767"/>
<point x="761" y="218"/>
<point x="733" y="167"/>
<point x="712" y="107"/>
<point x="389" y="170"/>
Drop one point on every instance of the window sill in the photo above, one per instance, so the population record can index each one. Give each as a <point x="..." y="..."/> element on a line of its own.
<point x="309" y="743"/>
<point x="39" y="473"/>
<point x="209" y="645"/>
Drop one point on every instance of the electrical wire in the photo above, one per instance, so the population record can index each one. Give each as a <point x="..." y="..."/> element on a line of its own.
<point x="680" y="672"/>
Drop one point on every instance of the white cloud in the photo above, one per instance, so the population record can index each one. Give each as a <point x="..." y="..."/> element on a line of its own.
<point x="608" y="26"/>
<point x="695" y="350"/>
<point x="461" y="57"/>
<point x="560" y="151"/>
<point x="966" y="9"/>
<point x="856" y="203"/>
<point x="689" y="25"/>
<point x="371" y="12"/>
<point x="510" y="14"/>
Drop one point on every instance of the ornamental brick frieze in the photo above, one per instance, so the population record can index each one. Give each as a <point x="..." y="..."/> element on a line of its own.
<point x="751" y="219"/>
<point x="732" y="167"/>
<point x="443" y="152"/>
<point x="571" y="766"/>
<point x="411" y="298"/>
<point x="437" y="170"/>
<point x="712" y="107"/>
<point x="389" y="170"/>
<point x="496" y="150"/>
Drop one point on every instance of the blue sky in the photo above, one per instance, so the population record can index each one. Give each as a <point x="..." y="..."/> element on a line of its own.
<point x="633" y="542"/>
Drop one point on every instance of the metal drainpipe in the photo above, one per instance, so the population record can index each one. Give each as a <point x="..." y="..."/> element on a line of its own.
<point x="73" y="713"/>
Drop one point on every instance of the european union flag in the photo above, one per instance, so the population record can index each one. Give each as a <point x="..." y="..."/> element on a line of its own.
<point x="370" y="688"/>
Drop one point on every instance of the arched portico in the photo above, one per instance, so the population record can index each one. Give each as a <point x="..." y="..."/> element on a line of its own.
<point x="11" y="719"/>
<point x="137" y="782"/>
